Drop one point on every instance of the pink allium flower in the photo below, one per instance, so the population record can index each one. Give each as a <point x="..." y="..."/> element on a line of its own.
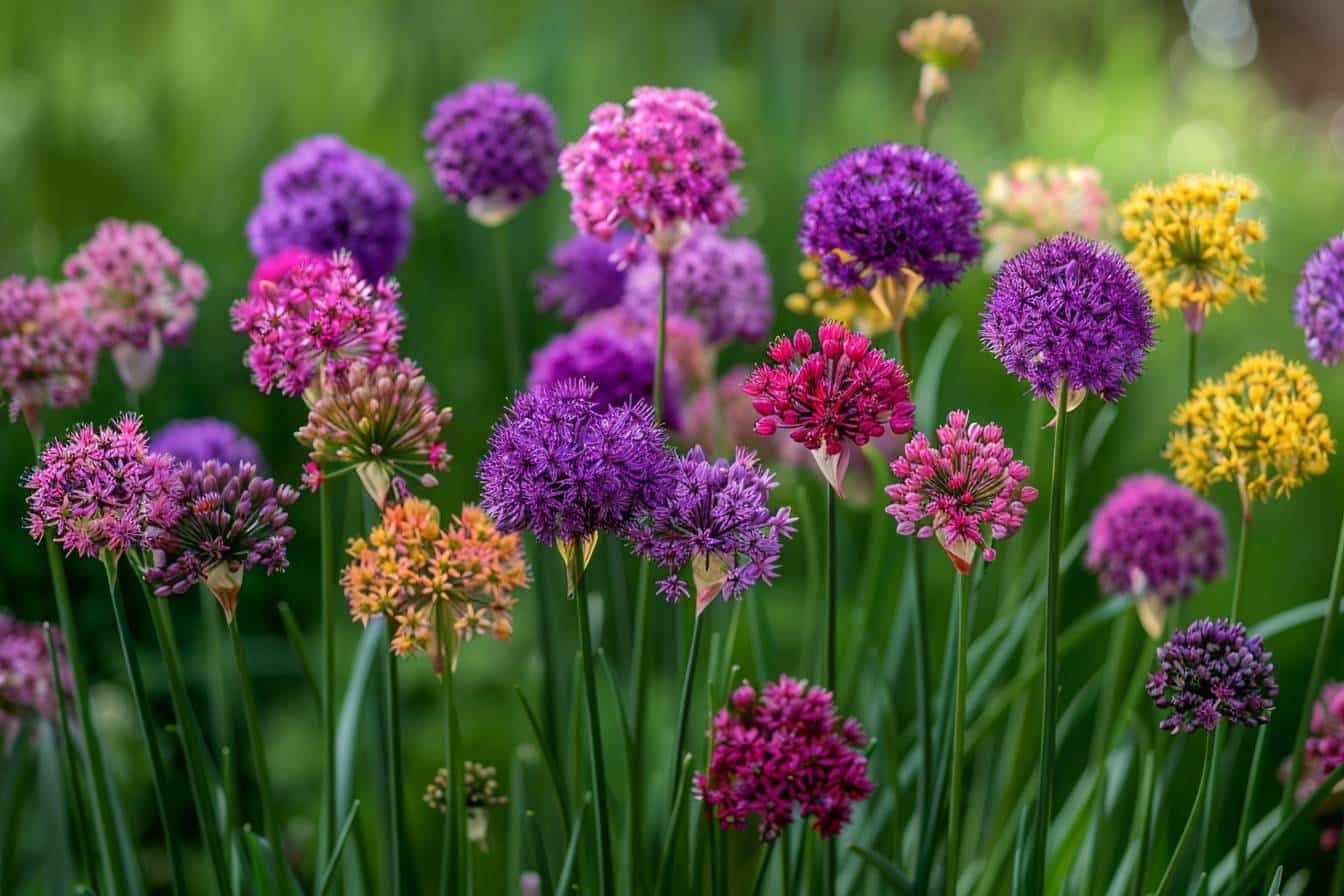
<point x="953" y="492"/>
<point x="1322" y="754"/>
<point x="831" y="400"/>
<point x="48" y="352"/>
<point x="662" y="167"/>
<point x="314" y="321"/>
<point x="26" y="686"/>
<point x="275" y="268"/>
<point x="784" y="755"/>
<point x="103" y="490"/>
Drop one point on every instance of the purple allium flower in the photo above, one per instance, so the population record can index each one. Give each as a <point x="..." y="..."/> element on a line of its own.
<point x="139" y="294"/>
<point x="232" y="520"/>
<point x="48" y="351"/>
<point x="660" y="169"/>
<point x="1069" y="310"/>
<point x="103" y="489"/>
<point x="584" y="276"/>
<point x="314" y="321"/>
<point x="194" y="442"/>
<point x="784" y="755"/>
<point x="970" y="481"/>
<point x="720" y="281"/>
<point x="617" y="359"/>
<point x="325" y="195"/>
<point x="565" y="469"/>
<point x="493" y="148"/>
<point x="1212" y="672"/>
<point x="717" y="518"/>
<point x="1319" y="307"/>
<point x="26" y="685"/>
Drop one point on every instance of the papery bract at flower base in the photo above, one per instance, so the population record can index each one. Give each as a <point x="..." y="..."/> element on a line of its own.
<point x="1212" y="672"/>
<point x="48" y="350"/>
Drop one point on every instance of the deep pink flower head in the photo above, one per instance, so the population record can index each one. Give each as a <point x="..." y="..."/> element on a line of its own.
<point x="1322" y="754"/>
<point x="970" y="482"/>
<point x="48" y="351"/>
<point x="274" y="268"/>
<point x="314" y="321"/>
<point x="784" y="755"/>
<point x="103" y="489"/>
<point x="831" y="400"/>
<point x="660" y="168"/>
<point x="26" y="686"/>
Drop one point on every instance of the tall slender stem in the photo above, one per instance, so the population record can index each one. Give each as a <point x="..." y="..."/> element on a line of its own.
<point x="270" y="821"/>
<point x="513" y="337"/>
<point x="1191" y="363"/>
<point x="453" y="853"/>
<point x="832" y="588"/>
<point x="639" y="720"/>
<point x="764" y="866"/>
<point x="1244" y="826"/>
<point x="327" y="597"/>
<point x="687" y="687"/>
<point x="664" y="260"/>
<point x="395" y="782"/>
<point x="69" y="775"/>
<point x="599" y="765"/>
<point x="1337" y="879"/>
<point x="954" y="794"/>
<point x="1165" y="883"/>
<point x="923" y="708"/>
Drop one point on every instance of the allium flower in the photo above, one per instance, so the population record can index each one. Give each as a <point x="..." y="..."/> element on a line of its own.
<point x="888" y="218"/>
<point x="1034" y="200"/>
<point x="1319" y="306"/>
<point x="687" y="351"/>
<point x="660" y="168"/>
<point x="584" y="276"/>
<point x="1323" y="752"/>
<point x="196" y="441"/>
<point x="1069" y="311"/>
<point x="716" y="518"/>
<point x="1259" y="426"/>
<point x="1190" y="243"/>
<point x="26" y="686"/>
<point x="953" y="492"/>
<point x="233" y="520"/>
<point x="481" y="792"/>
<point x="942" y="43"/>
<point x="720" y="281"/>
<point x="275" y="268"/>
<point x="139" y="294"/>
<point x="325" y="195"/>
<point x="1156" y="541"/>
<point x="1212" y="672"/>
<point x="411" y="569"/>
<point x="831" y="400"/>
<point x="48" y="351"/>
<point x="380" y="422"/>
<point x="854" y="307"/>
<point x="102" y="489"/>
<point x="493" y="148"/>
<point x="311" y="323"/>
<point x="784" y="755"/>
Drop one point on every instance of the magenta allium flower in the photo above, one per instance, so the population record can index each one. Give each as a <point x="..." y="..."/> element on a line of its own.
<point x="102" y="490"/>
<point x="1319" y="304"/>
<point x="492" y="148"/>
<point x="194" y="442"/>
<point x="26" y="686"/>
<point x="139" y="294"/>
<point x="1322" y="753"/>
<point x="275" y="268"/>
<point x="584" y="276"/>
<point x="953" y="492"/>
<point x="314" y="321"/>
<point x="831" y="400"/>
<point x="720" y="281"/>
<point x="784" y="755"/>
<point x="660" y="168"/>
<point x="48" y="351"/>
<point x="1212" y="672"/>
<point x="325" y="195"/>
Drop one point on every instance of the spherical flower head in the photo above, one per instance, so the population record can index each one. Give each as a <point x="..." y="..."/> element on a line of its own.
<point x="481" y="793"/>
<point x="1212" y="672"/>
<point x="139" y="294"/>
<point x="659" y="167"/>
<point x="194" y="442"/>
<point x="325" y="195"/>
<point x="26" y="685"/>
<point x="493" y="148"/>
<point x="1191" y="243"/>
<point x="832" y="400"/>
<point x="854" y="307"/>
<point x="233" y="520"/>
<point x="1322" y="754"/>
<point x="784" y="755"/>
<point x="1259" y="426"/>
<point x="717" y="519"/>
<point x="101" y="489"/>
<point x="275" y="268"/>
<point x="380" y="422"/>
<point x="968" y="484"/>
<point x="584" y="276"/>
<point x="48" y="350"/>
<point x="720" y="281"/>
<point x="311" y="323"/>
<point x="1069" y="311"/>
<point x="1034" y="200"/>
<point x="1319" y="304"/>
<point x="948" y="42"/>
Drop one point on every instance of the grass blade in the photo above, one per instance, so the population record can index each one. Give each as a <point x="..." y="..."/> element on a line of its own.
<point x="329" y="872"/>
<point x="572" y="851"/>
<point x="295" y="635"/>
<point x="552" y="763"/>
<point x="885" y="867"/>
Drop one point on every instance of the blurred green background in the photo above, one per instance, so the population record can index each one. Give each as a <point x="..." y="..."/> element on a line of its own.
<point x="168" y="112"/>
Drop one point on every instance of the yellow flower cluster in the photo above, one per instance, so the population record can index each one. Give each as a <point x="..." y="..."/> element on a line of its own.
<point x="1259" y="426"/>
<point x="1190" y="243"/>
<point x="854" y="308"/>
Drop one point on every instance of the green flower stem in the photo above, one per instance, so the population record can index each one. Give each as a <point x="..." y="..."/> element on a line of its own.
<point x="658" y="370"/>
<point x="270" y="821"/>
<point x="327" y="598"/>
<point x="832" y="588"/>
<point x="599" y="766"/>
<point x="761" y="869"/>
<point x="954" y="794"/>
<point x="513" y="339"/>
<point x="1244" y="826"/>
<point x="453" y="852"/>
<point x="69" y="775"/>
<point x="1337" y="879"/>
<point x="1165" y="884"/>
<point x="687" y="687"/>
<point x="1191" y="363"/>
<point x="923" y="710"/>
<point x="639" y="717"/>
<point x="395" y="778"/>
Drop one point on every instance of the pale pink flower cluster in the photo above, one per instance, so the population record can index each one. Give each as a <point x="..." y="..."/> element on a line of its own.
<point x="1034" y="200"/>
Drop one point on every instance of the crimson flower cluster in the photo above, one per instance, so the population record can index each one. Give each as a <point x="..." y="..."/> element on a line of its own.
<point x="48" y="351"/>
<point x="26" y="686"/>
<point x="1212" y="672"/>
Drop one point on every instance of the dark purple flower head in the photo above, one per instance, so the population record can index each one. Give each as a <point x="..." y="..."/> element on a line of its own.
<point x="716" y="518"/>
<point x="584" y="276"/>
<point x="1319" y="307"/>
<point x="26" y="686"/>
<point x="1073" y="310"/>
<point x="196" y="441"/>
<point x="493" y="148"/>
<point x="103" y="489"/>
<point x="565" y="469"/>
<point x="1212" y="672"/>
<point x="48" y="351"/>
<point x="784" y="755"/>
<point x="325" y="195"/>
<point x="720" y="281"/>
